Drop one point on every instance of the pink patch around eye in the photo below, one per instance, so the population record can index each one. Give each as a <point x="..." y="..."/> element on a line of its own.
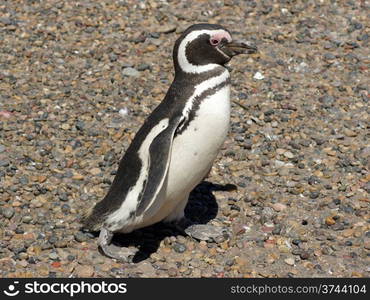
<point x="214" y="42"/>
<point x="221" y="35"/>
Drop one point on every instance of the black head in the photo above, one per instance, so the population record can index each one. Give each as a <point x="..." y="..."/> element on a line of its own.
<point x="202" y="46"/>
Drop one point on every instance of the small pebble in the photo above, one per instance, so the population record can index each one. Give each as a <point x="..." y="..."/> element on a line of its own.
<point x="230" y="262"/>
<point x="7" y="212"/>
<point x="258" y="76"/>
<point x="80" y="237"/>
<point x="123" y="112"/>
<point x="71" y="257"/>
<point x="329" y="221"/>
<point x="314" y="195"/>
<point x="278" y="207"/>
<point x="53" y="256"/>
<point x="296" y="242"/>
<point x="130" y="72"/>
<point x="289" y="261"/>
<point x="288" y="154"/>
<point x="304" y="255"/>
<point x="4" y="163"/>
<point x="27" y="219"/>
<point x="179" y="248"/>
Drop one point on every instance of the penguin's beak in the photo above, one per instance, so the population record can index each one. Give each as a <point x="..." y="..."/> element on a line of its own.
<point x="238" y="47"/>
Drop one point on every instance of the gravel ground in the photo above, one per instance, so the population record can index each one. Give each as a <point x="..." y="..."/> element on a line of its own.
<point x="290" y="187"/>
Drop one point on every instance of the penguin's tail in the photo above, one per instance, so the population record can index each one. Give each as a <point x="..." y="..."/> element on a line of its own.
<point x="90" y="219"/>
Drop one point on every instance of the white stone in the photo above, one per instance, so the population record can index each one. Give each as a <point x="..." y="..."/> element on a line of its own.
<point x="123" y="111"/>
<point x="258" y="76"/>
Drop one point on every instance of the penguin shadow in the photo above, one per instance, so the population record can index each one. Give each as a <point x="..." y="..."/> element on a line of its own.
<point x="201" y="208"/>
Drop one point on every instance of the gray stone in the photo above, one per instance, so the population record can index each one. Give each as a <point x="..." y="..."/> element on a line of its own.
<point x="23" y="180"/>
<point x="179" y="248"/>
<point x="7" y="212"/>
<point x="143" y="67"/>
<point x="80" y="237"/>
<point x="130" y="72"/>
<point x="53" y="256"/>
<point x="204" y="232"/>
<point x="4" y="163"/>
<point x="27" y="219"/>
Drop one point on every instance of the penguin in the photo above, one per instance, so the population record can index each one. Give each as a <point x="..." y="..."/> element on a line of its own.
<point x="175" y="147"/>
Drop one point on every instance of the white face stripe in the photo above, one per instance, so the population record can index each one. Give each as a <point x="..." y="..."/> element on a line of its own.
<point x="131" y="201"/>
<point x="185" y="65"/>
<point x="202" y="87"/>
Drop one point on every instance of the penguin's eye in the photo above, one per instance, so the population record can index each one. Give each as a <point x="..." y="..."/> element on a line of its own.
<point x="214" y="42"/>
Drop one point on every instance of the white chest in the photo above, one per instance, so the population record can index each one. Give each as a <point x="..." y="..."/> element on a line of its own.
<point x="194" y="151"/>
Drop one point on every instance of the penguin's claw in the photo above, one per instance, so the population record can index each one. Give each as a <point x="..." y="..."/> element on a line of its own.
<point x="120" y="253"/>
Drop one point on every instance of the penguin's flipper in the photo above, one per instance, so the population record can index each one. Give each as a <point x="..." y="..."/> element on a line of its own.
<point x="140" y="175"/>
<point x="160" y="154"/>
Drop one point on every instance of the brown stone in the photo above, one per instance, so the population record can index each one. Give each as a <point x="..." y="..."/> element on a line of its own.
<point x="329" y="221"/>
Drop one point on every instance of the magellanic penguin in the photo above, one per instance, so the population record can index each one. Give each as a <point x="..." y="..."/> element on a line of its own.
<point x="175" y="147"/>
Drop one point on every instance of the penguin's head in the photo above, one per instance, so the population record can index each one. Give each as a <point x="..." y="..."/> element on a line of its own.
<point x="203" y="46"/>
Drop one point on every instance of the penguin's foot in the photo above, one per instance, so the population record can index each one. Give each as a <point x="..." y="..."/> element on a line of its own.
<point x="203" y="232"/>
<point x="122" y="254"/>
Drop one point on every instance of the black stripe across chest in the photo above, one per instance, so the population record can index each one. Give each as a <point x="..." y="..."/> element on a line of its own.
<point x="198" y="99"/>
